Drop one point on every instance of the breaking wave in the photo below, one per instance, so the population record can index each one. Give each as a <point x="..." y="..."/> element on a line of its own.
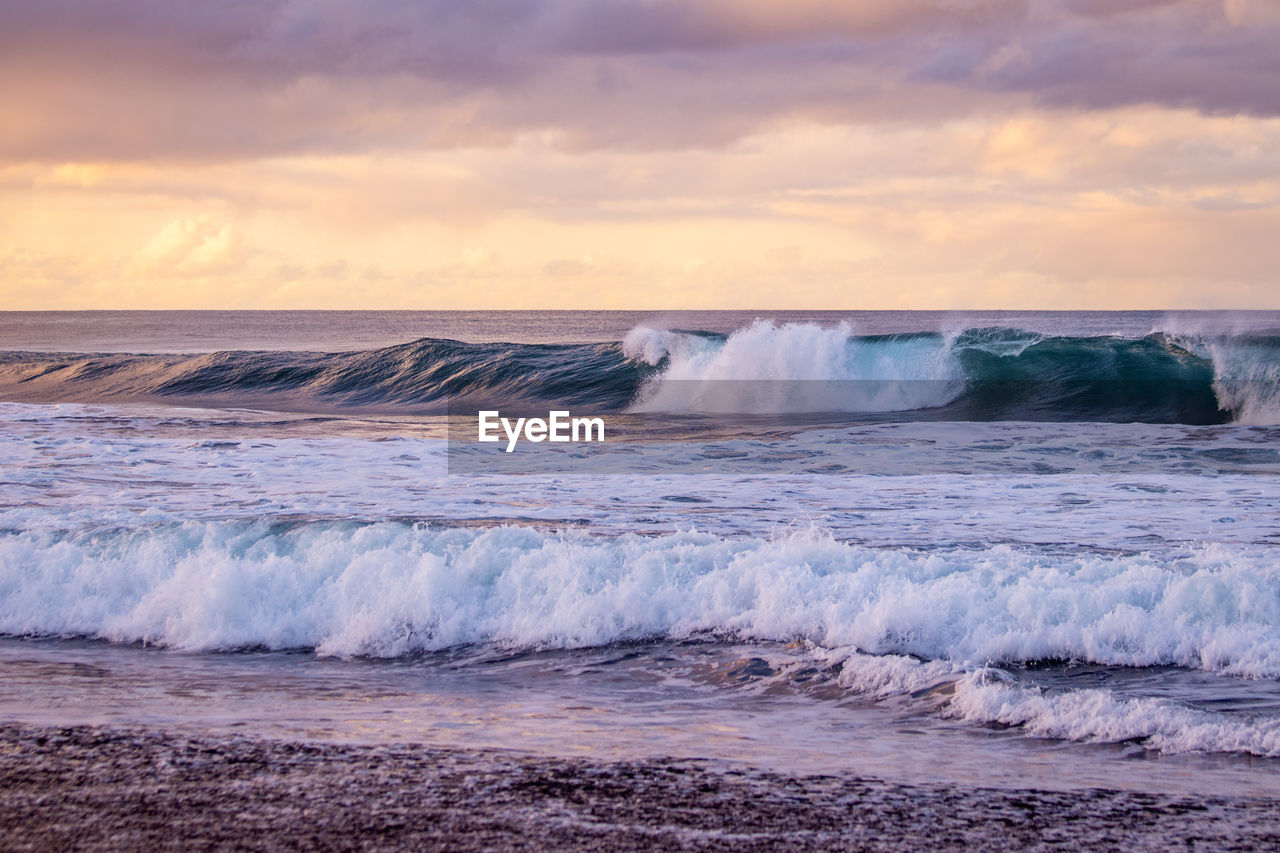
<point x="976" y="374"/>
<point x="391" y="588"/>
<point x="893" y="622"/>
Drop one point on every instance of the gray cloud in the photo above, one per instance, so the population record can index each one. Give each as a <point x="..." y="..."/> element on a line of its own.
<point x="141" y="78"/>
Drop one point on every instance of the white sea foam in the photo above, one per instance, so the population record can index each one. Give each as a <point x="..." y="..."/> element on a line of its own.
<point x="1098" y="715"/>
<point x="886" y="675"/>
<point x="390" y="589"/>
<point x="1246" y="374"/>
<point x="795" y="367"/>
<point x="1246" y="379"/>
<point x="987" y="694"/>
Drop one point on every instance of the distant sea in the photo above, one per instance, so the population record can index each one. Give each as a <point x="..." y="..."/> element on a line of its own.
<point x="1018" y="549"/>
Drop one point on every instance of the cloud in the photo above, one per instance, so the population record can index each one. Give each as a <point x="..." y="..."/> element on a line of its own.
<point x="195" y="246"/>
<point x="1121" y="209"/>
<point x="639" y="153"/>
<point x="669" y="26"/>
<point x="136" y="79"/>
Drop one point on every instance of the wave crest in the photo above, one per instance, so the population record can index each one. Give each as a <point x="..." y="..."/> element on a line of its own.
<point x="989" y="374"/>
<point x="390" y="589"/>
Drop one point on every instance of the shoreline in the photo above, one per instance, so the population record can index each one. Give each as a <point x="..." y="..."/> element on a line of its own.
<point x="125" y="788"/>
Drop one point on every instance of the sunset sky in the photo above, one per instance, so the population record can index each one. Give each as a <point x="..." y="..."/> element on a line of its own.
<point x="640" y="154"/>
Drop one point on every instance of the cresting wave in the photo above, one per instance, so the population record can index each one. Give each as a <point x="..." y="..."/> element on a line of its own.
<point x="391" y="588"/>
<point x="895" y="621"/>
<point x="977" y="374"/>
<point x="992" y="374"/>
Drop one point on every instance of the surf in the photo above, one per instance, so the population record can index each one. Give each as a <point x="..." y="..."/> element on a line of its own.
<point x="768" y="368"/>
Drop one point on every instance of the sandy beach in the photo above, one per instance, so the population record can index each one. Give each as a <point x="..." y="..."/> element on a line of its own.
<point x="93" y="788"/>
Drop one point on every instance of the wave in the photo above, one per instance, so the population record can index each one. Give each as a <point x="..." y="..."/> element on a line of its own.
<point x="892" y="623"/>
<point x="413" y="375"/>
<point x="1100" y="716"/>
<point x="990" y="374"/>
<point x="975" y="374"/>
<point x="768" y="369"/>
<point x="393" y="588"/>
<point x="990" y="695"/>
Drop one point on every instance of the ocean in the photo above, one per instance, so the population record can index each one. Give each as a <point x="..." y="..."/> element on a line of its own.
<point x="1024" y="550"/>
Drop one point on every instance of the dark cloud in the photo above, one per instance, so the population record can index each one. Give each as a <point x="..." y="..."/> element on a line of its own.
<point x="1114" y="8"/>
<point x="1177" y="56"/>
<point x="275" y="40"/>
<point x="142" y="78"/>
<point x="664" y="26"/>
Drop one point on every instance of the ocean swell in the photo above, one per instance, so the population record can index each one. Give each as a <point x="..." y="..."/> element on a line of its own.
<point x="988" y="374"/>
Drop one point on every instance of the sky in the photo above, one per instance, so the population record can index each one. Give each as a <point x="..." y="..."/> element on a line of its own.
<point x="644" y="154"/>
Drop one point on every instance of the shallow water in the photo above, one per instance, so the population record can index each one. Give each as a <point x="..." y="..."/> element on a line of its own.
<point x="742" y="704"/>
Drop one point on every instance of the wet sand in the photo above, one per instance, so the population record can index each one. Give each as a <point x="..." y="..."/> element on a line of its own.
<point x="131" y="788"/>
